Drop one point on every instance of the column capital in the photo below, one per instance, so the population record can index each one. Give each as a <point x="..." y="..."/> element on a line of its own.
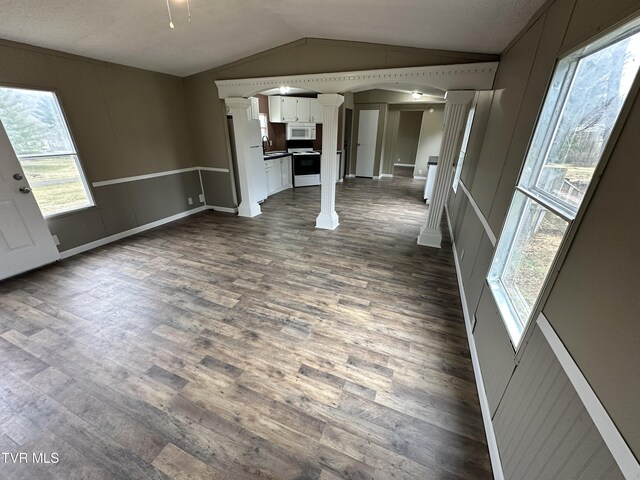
<point x="330" y="99"/>
<point x="238" y="102"/>
<point x="459" y="97"/>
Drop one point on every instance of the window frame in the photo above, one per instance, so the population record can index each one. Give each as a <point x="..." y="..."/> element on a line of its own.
<point x="464" y="146"/>
<point x="83" y="176"/>
<point x="574" y="221"/>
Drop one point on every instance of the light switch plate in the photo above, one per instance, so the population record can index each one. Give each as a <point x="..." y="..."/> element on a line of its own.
<point x="190" y="200"/>
<point x="201" y="197"/>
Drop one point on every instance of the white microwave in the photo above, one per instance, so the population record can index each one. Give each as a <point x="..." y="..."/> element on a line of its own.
<point x="301" y="131"/>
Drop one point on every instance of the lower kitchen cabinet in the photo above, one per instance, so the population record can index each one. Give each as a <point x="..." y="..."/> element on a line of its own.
<point x="279" y="176"/>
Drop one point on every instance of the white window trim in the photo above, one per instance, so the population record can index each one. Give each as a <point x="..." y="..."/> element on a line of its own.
<point x="76" y="153"/>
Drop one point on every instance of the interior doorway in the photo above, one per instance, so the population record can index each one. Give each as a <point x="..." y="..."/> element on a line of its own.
<point x="367" y="138"/>
<point x="348" y="129"/>
<point x="404" y="159"/>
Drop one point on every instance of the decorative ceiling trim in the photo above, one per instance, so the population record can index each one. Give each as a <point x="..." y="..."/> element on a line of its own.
<point x="468" y="76"/>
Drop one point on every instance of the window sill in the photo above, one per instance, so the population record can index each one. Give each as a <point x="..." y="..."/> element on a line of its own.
<point x="507" y="313"/>
<point x="75" y="211"/>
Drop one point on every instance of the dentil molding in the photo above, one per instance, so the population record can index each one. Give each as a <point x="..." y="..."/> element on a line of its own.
<point x="468" y="76"/>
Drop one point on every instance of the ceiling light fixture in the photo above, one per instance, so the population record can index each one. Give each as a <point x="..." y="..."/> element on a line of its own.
<point x="284" y="90"/>
<point x="416" y="95"/>
<point x="171" y="25"/>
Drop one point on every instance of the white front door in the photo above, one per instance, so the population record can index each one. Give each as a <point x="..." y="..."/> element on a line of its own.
<point x="25" y="240"/>
<point x="367" y="136"/>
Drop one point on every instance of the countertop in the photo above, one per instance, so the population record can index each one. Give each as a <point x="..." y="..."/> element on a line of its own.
<point x="272" y="156"/>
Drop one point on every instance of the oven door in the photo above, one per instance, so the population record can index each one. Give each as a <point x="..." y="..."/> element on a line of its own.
<point x="306" y="165"/>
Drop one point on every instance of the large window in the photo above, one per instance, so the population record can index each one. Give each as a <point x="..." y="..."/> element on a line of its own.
<point x="587" y="92"/>
<point x="40" y="137"/>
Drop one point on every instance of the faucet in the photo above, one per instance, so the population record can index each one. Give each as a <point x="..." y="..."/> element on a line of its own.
<point x="264" y="139"/>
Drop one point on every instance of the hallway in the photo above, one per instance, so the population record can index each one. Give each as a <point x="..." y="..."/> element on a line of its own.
<point x="234" y="348"/>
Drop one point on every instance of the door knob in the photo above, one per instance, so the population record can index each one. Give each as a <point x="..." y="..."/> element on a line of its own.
<point x="25" y="190"/>
<point x="17" y="176"/>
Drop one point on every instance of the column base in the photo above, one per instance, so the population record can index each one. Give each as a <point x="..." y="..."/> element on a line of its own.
<point x="430" y="237"/>
<point x="327" y="221"/>
<point x="249" y="209"/>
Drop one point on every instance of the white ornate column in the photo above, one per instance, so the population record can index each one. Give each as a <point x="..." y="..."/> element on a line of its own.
<point x="240" y="109"/>
<point x="456" y="110"/>
<point x="328" y="218"/>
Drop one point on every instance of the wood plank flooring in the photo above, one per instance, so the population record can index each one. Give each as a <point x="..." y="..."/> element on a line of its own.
<point x="220" y="347"/>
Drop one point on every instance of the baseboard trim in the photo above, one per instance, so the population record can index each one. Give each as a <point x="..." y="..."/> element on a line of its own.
<point x="616" y="444"/>
<point x="404" y="165"/>
<point x="419" y="177"/>
<point x="386" y="175"/>
<point x="492" y="442"/>
<point x="350" y="175"/>
<point x="127" y="233"/>
<point x="223" y="209"/>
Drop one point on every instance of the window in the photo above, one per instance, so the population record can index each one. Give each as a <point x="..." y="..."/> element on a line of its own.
<point x="587" y="92"/>
<point x="463" y="148"/>
<point x="39" y="134"/>
<point x="264" y="131"/>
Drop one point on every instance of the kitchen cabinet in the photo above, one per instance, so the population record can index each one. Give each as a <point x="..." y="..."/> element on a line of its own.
<point x="255" y="108"/>
<point x="303" y="110"/>
<point x="294" y="110"/>
<point x="283" y="109"/>
<point x="317" y="112"/>
<point x="279" y="175"/>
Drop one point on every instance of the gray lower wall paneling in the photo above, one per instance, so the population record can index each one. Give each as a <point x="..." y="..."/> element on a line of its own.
<point x="77" y="228"/>
<point x="123" y="206"/>
<point x="479" y="272"/>
<point x="160" y="197"/>
<point x="115" y="207"/>
<point x="542" y="427"/>
<point x="494" y="349"/>
<point x="218" y="189"/>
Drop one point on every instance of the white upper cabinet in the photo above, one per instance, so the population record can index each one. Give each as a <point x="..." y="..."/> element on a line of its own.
<point x="289" y="109"/>
<point x="282" y="109"/>
<point x="255" y="108"/>
<point x="294" y="110"/>
<point x="303" y="110"/>
<point x="316" y="111"/>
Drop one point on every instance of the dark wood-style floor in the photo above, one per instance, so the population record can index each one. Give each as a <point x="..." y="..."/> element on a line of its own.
<point x="221" y="347"/>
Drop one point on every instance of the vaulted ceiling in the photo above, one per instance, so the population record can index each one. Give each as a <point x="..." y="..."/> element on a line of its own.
<point x="137" y="33"/>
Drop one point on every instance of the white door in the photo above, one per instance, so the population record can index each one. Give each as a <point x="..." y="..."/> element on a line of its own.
<point x="367" y="136"/>
<point x="25" y="240"/>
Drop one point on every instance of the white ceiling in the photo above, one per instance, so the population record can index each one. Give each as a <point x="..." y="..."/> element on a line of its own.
<point x="136" y="32"/>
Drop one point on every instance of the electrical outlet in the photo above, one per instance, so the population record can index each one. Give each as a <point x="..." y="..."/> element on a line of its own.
<point x="56" y="240"/>
<point x="420" y="171"/>
<point x="271" y="143"/>
<point x="201" y="198"/>
<point x="190" y="200"/>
